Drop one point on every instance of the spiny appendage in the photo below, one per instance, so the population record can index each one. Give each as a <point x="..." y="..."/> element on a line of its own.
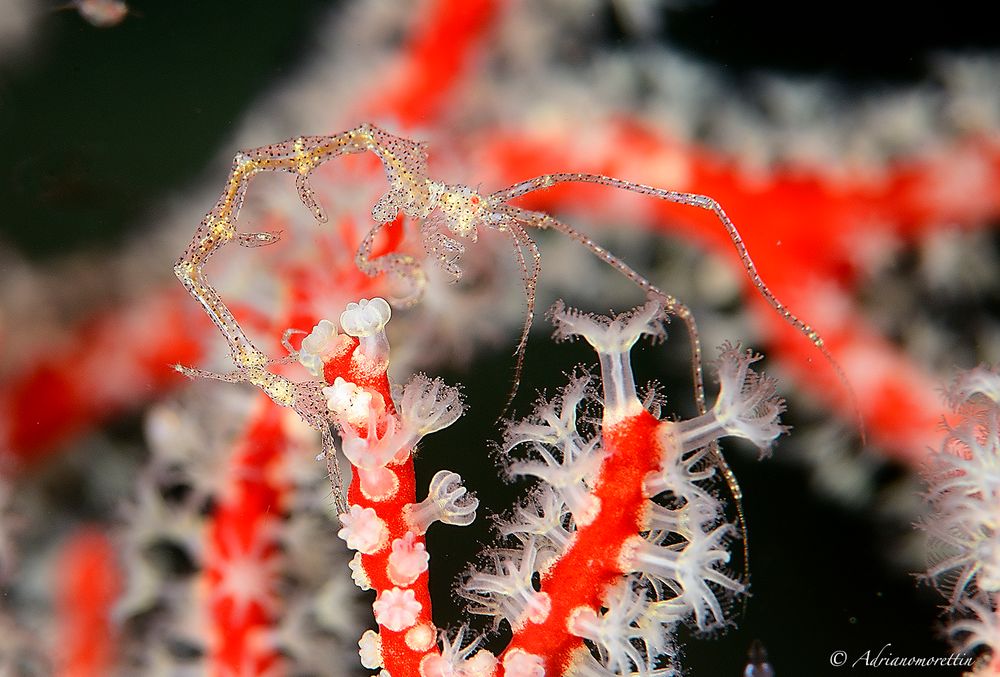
<point x="522" y="242"/>
<point x="299" y="156"/>
<point x="405" y="163"/>
<point x="446" y="251"/>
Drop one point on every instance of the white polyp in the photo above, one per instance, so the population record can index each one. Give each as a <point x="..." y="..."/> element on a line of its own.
<point x="678" y="475"/>
<point x="553" y="423"/>
<point x="520" y="663"/>
<point x="351" y="403"/>
<point x="358" y="573"/>
<point x="366" y="320"/>
<point x="571" y="476"/>
<point x="447" y="501"/>
<point x="625" y="624"/>
<point x="613" y="339"/>
<point x="542" y="518"/>
<point x="689" y="570"/>
<point x="426" y="406"/>
<point x="982" y="380"/>
<point x="407" y="560"/>
<point x="370" y="650"/>
<point x="605" y="334"/>
<point x="363" y="530"/>
<point x="396" y="609"/>
<point x="698" y="432"/>
<point x="748" y="404"/>
<point x="319" y="345"/>
<point x="458" y="659"/>
<point x="638" y="554"/>
<point x="690" y="520"/>
<point x="505" y="590"/>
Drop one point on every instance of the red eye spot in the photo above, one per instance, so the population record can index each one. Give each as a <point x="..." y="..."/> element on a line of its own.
<point x="474" y="200"/>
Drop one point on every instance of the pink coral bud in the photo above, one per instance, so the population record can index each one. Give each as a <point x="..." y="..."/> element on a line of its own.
<point x="370" y="650"/>
<point x="481" y="665"/>
<point x="421" y="637"/>
<point x="358" y="573"/>
<point x="363" y="530"/>
<point x="447" y="501"/>
<point x="377" y="484"/>
<point x="320" y="345"/>
<point x="407" y="560"/>
<point x="436" y="666"/>
<point x="520" y="663"/>
<point x="351" y="403"/>
<point x="396" y="609"/>
<point x="372" y="450"/>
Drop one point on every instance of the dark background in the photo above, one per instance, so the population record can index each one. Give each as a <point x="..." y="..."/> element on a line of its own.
<point x="96" y="125"/>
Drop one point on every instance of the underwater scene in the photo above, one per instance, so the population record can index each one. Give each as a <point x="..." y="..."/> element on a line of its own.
<point x="409" y="339"/>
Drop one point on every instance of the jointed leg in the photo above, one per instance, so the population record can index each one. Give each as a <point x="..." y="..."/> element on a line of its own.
<point x="521" y="241"/>
<point x="329" y="453"/>
<point x="299" y="156"/>
<point x="403" y="267"/>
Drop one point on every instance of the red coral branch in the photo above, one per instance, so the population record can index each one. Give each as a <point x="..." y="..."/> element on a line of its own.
<point x="89" y="582"/>
<point x="242" y="565"/>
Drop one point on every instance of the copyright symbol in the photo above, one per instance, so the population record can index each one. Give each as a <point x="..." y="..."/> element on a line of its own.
<point x="838" y="658"/>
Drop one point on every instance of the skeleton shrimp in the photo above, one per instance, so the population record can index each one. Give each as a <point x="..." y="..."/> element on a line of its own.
<point x="448" y="215"/>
